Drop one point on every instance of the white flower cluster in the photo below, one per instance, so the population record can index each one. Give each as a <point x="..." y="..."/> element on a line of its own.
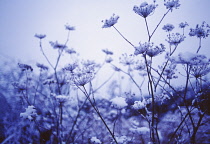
<point x="149" y="49"/>
<point x="161" y="97"/>
<point x="190" y="58"/>
<point x="57" y="45"/>
<point x="84" y="74"/>
<point x="95" y="140"/>
<point x="119" y="102"/>
<point x="41" y="66"/>
<point x="200" y="31"/>
<point x="170" y="4"/>
<point x="122" y="139"/>
<point x="169" y="71"/>
<point x="127" y="60"/>
<point x="40" y="36"/>
<point x="168" y="27"/>
<point x="140" y="130"/>
<point x="139" y="65"/>
<point x="70" y="51"/>
<point x="110" y="22"/>
<point x="30" y="113"/>
<point x="61" y="98"/>
<point x="175" y="39"/>
<point x="139" y="105"/>
<point x="183" y="24"/>
<point x="70" y="28"/>
<point x="144" y="9"/>
<point x="71" y="67"/>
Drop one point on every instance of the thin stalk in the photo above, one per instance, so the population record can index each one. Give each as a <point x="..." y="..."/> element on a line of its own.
<point x="123" y="36"/>
<point x="99" y="114"/>
<point x="147" y="28"/>
<point x="153" y="101"/>
<point x="159" y="23"/>
<point x="199" y="46"/>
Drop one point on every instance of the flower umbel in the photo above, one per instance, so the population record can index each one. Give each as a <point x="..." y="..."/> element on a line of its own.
<point x="41" y="66"/>
<point x="168" y="27"/>
<point x="127" y="60"/>
<point x="70" y="51"/>
<point x="144" y="9"/>
<point x="25" y="67"/>
<point x="170" y="4"/>
<point x="30" y="113"/>
<point x="107" y="52"/>
<point x="70" y="28"/>
<point x="40" y="36"/>
<point x="142" y="48"/>
<point x="183" y="24"/>
<point x="152" y="52"/>
<point x="110" y="22"/>
<point x="200" y="31"/>
<point x="71" y="67"/>
<point x="82" y="76"/>
<point x="149" y="49"/>
<point x="175" y="39"/>
<point x="57" y="45"/>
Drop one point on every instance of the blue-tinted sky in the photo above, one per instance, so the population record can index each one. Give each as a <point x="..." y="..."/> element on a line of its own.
<point x="21" y="19"/>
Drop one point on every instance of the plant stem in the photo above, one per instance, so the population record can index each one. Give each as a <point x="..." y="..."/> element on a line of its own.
<point x="123" y="36"/>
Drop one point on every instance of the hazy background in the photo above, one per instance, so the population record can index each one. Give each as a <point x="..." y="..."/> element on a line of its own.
<point x="21" y="19"/>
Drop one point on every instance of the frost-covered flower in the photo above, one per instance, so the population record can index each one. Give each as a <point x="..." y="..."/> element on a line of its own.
<point x="169" y="71"/>
<point x="70" y="28"/>
<point x="95" y="140"/>
<point x="148" y="48"/>
<point x="161" y="97"/>
<point x="144" y="9"/>
<point x="30" y="113"/>
<point x="107" y="52"/>
<point x="40" y="36"/>
<point x="122" y="139"/>
<point x="199" y="70"/>
<point x="139" y="105"/>
<point x="41" y="66"/>
<point x="175" y="39"/>
<point x="83" y="75"/>
<point x="119" y="102"/>
<point x="108" y="60"/>
<point x="25" y="67"/>
<point x="151" y="52"/>
<point x="57" y="45"/>
<point x="110" y="22"/>
<point x="200" y="31"/>
<point x="61" y="98"/>
<point x="141" y="130"/>
<point x="183" y="24"/>
<point x="88" y="63"/>
<point x="170" y="4"/>
<point x="81" y="79"/>
<point x="142" y="48"/>
<point x="19" y="86"/>
<point x="139" y="66"/>
<point x="168" y="27"/>
<point x="190" y="58"/>
<point x="70" y="51"/>
<point x="71" y="67"/>
<point x="127" y="60"/>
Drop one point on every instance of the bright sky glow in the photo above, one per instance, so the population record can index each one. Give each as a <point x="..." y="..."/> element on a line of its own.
<point x="21" y="19"/>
